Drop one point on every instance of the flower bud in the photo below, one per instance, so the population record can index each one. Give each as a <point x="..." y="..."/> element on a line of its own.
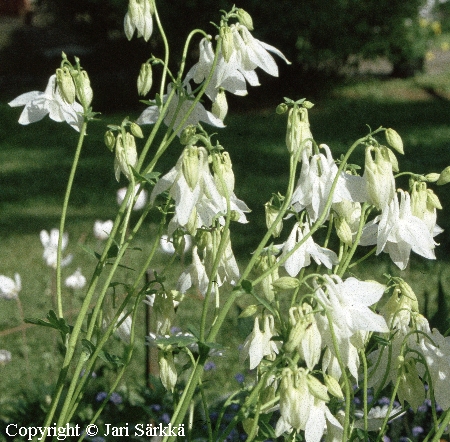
<point x="187" y="133"/>
<point x="235" y="215"/>
<point x="296" y="334"/>
<point x="392" y="158"/>
<point x="271" y="215"/>
<point x="379" y="178"/>
<point x="65" y="84"/>
<point x="167" y="370"/>
<point x="286" y="283"/>
<point x="298" y="134"/>
<point x="317" y="389"/>
<point x="223" y="169"/>
<point x="432" y="177"/>
<point x="249" y="311"/>
<point x="333" y="386"/>
<point x="262" y="264"/>
<point x="145" y="79"/>
<point x="163" y="310"/>
<point x="245" y="19"/>
<point x="126" y="155"/>
<point x="444" y="177"/>
<point x="226" y="34"/>
<point x="136" y="130"/>
<point x="220" y="105"/>
<point x="433" y="200"/>
<point x="179" y="241"/>
<point x="282" y="109"/>
<point x="394" y="140"/>
<point x="83" y="88"/>
<point x="343" y="231"/>
<point x="191" y="225"/>
<point x="110" y="140"/>
<point x="191" y="166"/>
<point x="307" y="104"/>
<point x="408" y="292"/>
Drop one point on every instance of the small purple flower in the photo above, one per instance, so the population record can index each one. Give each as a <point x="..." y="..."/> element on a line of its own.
<point x="116" y="398"/>
<point x="209" y="366"/>
<point x="386" y="439"/>
<point x="235" y="407"/>
<point x="240" y="378"/>
<point x="438" y="408"/>
<point x="417" y="430"/>
<point x="356" y="400"/>
<point x="174" y="330"/>
<point x="384" y="401"/>
<point x="101" y="396"/>
<point x="369" y="399"/>
<point x="165" y="418"/>
<point x="423" y="408"/>
<point x="155" y="407"/>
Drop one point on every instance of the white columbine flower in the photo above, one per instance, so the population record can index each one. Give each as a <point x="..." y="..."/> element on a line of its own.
<point x="10" y="288"/>
<point x="258" y="344"/>
<point x="194" y="275"/>
<point x="50" y="243"/>
<point x="314" y="185"/>
<point x="247" y="54"/>
<point x="376" y="416"/>
<point x="76" y="281"/>
<point x="141" y="200"/>
<point x="347" y="303"/>
<point x="5" y="357"/>
<point x="39" y="104"/>
<point x="398" y="232"/>
<point x="139" y="19"/>
<point x="102" y="229"/>
<point x="166" y="244"/>
<point x="302" y="256"/>
<point x="199" y="113"/>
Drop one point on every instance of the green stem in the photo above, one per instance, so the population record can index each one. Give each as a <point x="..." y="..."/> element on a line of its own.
<point x="64" y="215"/>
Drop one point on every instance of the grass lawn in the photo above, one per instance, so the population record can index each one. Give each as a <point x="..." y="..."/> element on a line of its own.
<point x="35" y="161"/>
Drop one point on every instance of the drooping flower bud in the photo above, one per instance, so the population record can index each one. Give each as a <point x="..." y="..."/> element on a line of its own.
<point x="394" y="140"/>
<point x="317" y="389"/>
<point x="379" y="178"/>
<point x="83" y="88"/>
<point x="424" y="203"/>
<point x="432" y="177"/>
<point x="263" y="263"/>
<point x="245" y="19"/>
<point x="224" y="169"/>
<point x="298" y="135"/>
<point x="163" y="309"/>
<point x="187" y="133"/>
<point x="65" y="84"/>
<point x="167" y="370"/>
<point x="126" y="155"/>
<point x="136" y="130"/>
<point x="220" y="105"/>
<point x="333" y="386"/>
<point x="282" y="109"/>
<point x="110" y="140"/>
<point x="191" y="165"/>
<point x="271" y="215"/>
<point x="145" y="79"/>
<point x="286" y="283"/>
<point x="226" y="34"/>
<point x="343" y="231"/>
<point x="444" y="177"/>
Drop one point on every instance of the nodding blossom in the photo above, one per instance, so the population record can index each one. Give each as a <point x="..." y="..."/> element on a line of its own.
<point x="10" y="288"/>
<point x="76" y="281"/>
<point x="39" y="104"/>
<point x="50" y="243"/>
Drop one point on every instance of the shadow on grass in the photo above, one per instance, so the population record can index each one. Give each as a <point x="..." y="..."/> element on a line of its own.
<point x="255" y="142"/>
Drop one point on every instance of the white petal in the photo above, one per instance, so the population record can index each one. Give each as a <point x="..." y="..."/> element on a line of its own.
<point x="24" y="99"/>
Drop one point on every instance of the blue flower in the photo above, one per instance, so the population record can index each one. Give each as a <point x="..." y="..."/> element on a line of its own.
<point x="240" y="378"/>
<point x="101" y="396"/>
<point x="116" y="398"/>
<point x="209" y="366"/>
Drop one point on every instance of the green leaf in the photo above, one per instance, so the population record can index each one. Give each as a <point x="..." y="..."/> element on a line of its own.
<point x="89" y="251"/>
<point x="179" y="341"/>
<point x="112" y="359"/>
<point x="89" y="346"/>
<point x="151" y="177"/>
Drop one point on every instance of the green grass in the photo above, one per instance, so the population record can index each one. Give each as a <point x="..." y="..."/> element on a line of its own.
<point x="35" y="161"/>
